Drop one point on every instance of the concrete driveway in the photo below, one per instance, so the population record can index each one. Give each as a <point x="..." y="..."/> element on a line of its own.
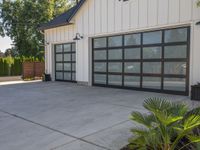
<point x="66" y="116"/>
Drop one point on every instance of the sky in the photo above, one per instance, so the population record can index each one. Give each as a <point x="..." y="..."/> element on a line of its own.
<point x="5" y="43"/>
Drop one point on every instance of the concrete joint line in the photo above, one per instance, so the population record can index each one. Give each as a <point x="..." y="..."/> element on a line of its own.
<point x="106" y="128"/>
<point x="52" y="129"/>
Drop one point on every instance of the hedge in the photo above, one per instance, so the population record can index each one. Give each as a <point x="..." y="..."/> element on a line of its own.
<point x="13" y="66"/>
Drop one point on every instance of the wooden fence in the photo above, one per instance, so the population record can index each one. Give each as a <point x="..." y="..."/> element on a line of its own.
<point x="33" y="69"/>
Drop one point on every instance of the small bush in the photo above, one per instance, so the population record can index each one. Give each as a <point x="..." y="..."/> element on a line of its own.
<point x="167" y="126"/>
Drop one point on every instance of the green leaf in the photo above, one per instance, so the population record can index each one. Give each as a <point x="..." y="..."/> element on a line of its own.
<point x="143" y="119"/>
<point x="194" y="138"/>
<point x="156" y="104"/>
<point x="191" y="122"/>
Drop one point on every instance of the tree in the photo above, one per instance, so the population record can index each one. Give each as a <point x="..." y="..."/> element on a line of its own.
<point x="20" y="20"/>
<point x="11" y="52"/>
<point x="198" y="3"/>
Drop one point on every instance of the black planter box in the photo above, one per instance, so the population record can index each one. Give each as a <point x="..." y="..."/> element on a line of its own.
<point x="195" y="92"/>
<point x="47" y="77"/>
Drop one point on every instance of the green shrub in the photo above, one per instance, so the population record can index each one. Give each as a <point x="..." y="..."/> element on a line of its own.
<point x="16" y="68"/>
<point x="1" y="67"/>
<point x="167" y="126"/>
<point x="6" y="67"/>
<point x="13" y="66"/>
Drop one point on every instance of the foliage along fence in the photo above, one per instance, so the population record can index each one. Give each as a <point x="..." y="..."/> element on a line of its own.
<point x="13" y="66"/>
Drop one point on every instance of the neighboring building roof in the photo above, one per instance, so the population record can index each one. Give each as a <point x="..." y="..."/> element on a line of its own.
<point x="63" y="19"/>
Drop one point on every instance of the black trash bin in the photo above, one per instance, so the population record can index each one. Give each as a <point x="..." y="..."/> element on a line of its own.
<point x="195" y="92"/>
<point x="47" y="77"/>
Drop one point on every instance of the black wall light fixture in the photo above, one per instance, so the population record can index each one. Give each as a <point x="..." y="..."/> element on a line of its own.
<point x="198" y="23"/>
<point x="78" y="37"/>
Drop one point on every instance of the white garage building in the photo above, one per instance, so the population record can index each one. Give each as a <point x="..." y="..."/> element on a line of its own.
<point x="150" y="45"/>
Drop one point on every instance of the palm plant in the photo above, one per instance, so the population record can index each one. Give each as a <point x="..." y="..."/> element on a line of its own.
<point x="167" y="126"/>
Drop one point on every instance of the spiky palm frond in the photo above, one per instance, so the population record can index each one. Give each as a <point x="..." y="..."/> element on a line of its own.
<point x="195" y="111"/>
<point x="167" y="118"/>
<point x="178" y="109"/>
<point x="166" y="125"/>
<point x="156" y="104"/>
<point x="191" y="122"/>
<point x="167" y="112"/>
<point x="145" y="138"/>
<point x="144" y="119"/>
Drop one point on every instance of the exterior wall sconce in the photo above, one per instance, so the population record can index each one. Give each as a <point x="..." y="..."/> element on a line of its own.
<point x="78" y="37"/>
<point x="198" y="23"/>
<point x="46" y="43"/>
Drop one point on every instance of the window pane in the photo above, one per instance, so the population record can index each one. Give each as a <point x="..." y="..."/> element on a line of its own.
<point x="152" y="67"/>
<point x="67" y="66"/>
<point x="132" y="67"/>
<point x="100" y="67"/>
<point x="115" y="41"/>
<point x="178" y="68"/>
<point x="115" y="79"/>
<point x="115" y="54"/>
<point x="73" y="67"/>
<point x="132" y="53"/>
<point x="176" y="35"/>
<point x="73" y="47"/>
<point x="100" y="55"/>
<point x="100" y="42"/>
<point x="59" y="75"/>
<point x="58" y="48"/>
<point x="59" y="66"/>
<point x="175" y="84"/>
<point x="67" y="76"/>
<point x="67" y="57"/>
<point x="152" y="37"/>
<point x="176" y="51"/>
<point x="59" y="57"/>
<point x="73" y="76"/>
<point x="99" y="78"/>
<point x="152" y="52"/>
<point x="131" y="81"/>
<point x="67" y="47"/>
<point x="152" y="82"/>
<point x="73" y="56"/>
<point x="115" y="67"/>
<point x="132" y="39"/>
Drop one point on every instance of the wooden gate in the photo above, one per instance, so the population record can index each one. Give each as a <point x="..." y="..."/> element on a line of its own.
<point x="33" y="69"/>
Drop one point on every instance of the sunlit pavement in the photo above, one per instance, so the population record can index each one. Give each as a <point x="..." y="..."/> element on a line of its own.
<point x="65" y="116"/>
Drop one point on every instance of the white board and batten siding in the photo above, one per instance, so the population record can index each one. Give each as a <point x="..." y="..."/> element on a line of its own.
<point x="108" y="17"/>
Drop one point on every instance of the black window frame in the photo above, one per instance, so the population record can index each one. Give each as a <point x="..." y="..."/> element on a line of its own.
<point x="141" y="61"/>
<point x="71" y="52"/>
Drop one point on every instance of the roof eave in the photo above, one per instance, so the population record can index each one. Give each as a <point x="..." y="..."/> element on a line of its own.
<point x="74" y="13"/>
<point x="54" y="26"/>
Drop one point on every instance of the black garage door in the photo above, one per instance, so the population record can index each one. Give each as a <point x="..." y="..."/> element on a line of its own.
<point x="152" y="61"/>
<point x="65" y="62"/>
